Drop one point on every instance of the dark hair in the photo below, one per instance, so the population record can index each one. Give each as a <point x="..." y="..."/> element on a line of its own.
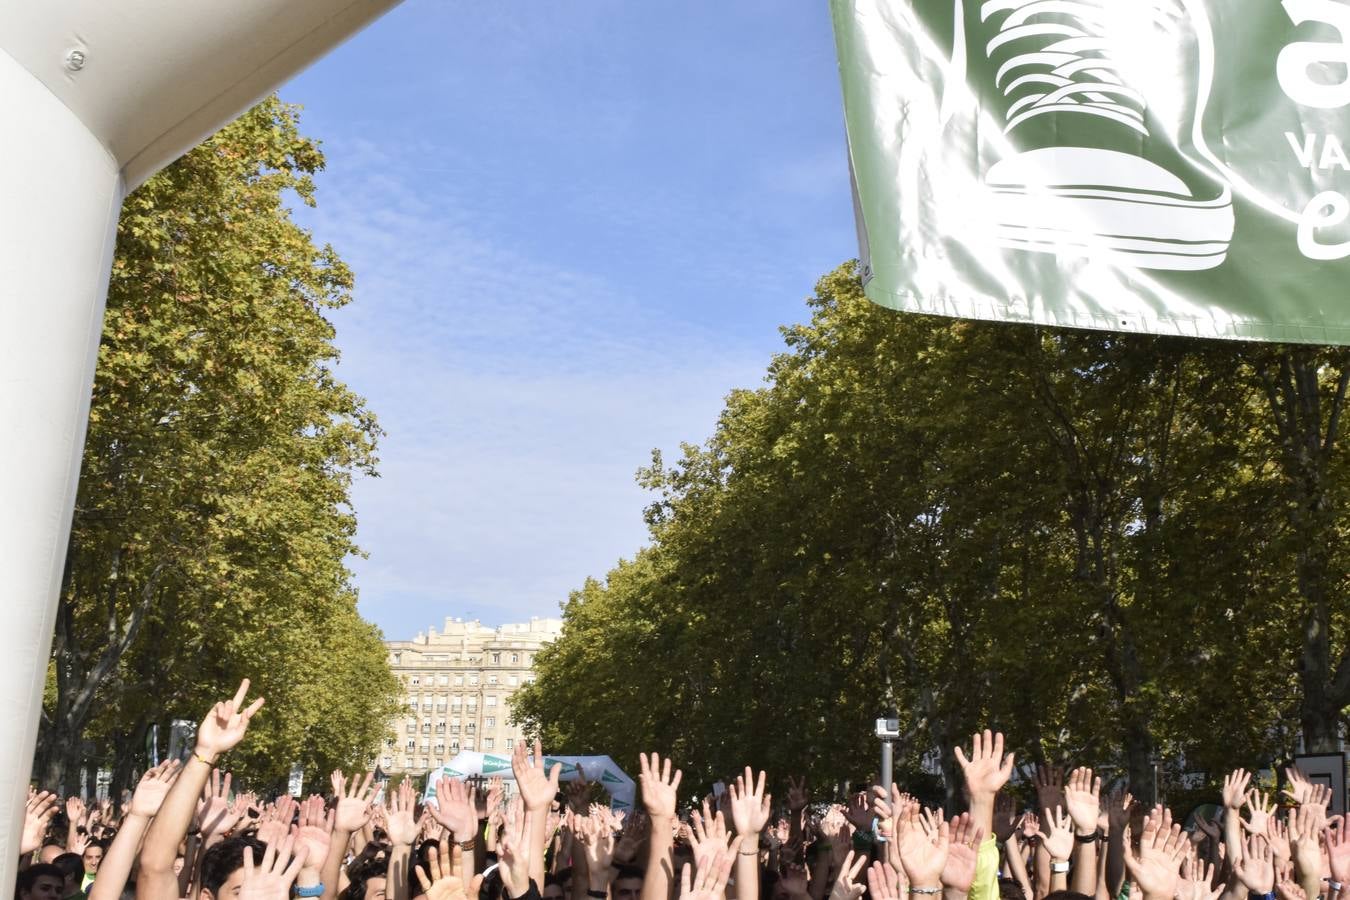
<point x="226" y="858"/>
<point x="359" y="873"/>
<point x="70" y="865"/>
<point x="29" y="876"/>
<point x="630" y="872"/>
<point x="1066" y="895"/>
<point x="1009" y="889"/>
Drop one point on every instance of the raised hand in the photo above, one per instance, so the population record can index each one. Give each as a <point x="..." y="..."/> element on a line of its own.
<point x="276" y="820"/>
<point x="401" y="826"/>
<point x="1005" y="817"/>
<point x="76" y="811"/>
<point x="1157" y="867"/>
<point x="1299" y="785"/>
<point x="1049" y="787"/>
<point x="1235" y="789"/>
<point x="315" y="833"/>
<point x="859" y="811"/>
<point x="1196" y="883"/>
<point x="515" y="852"/>
<point x="37" y="814"/>
<point x="1256" y="869"/>
<point x="1206" y="826"/>
<point x="536" y="787"/>
<point x="578" y="793"/>
<point x="883" y="882"/>
<point x="225" y="725"/>
<point x="660" y="789"/>
<point x="924" y="845"/>
<point x="798" y="795"/>
<point x="1082" y="797"/>
<point x="959" y="872"/>
<point x="153" y="788"/>
<point x="847" y="886"/>
<point x="707" y="831"/>
<point x="215" y="815"/>
<point x="1338" y="849"/>
<point x="1278" y="835"/>
<point x="1289" y="890"/>
<point x="454" y="808"/>
<point x="1259" y="808"/>
<point x="441" y="883"/>
<point x="1057" y="837"/>
<point x="353" y="801"/>
<point x="597" y="839"/>
<point x="986" y="769"/>
<point x="714" y="869"/>
<point x="1305" y="831"/>
<point x="750" y="806"/>
<point x="272" y="879"/>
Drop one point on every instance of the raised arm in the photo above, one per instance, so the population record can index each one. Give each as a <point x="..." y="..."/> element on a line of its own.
<point x="222" y="729"/>
<point x="1082" y="796"/>
<point x="537" y="786"/>
<point x="660" y="790"/>
<point x="351" y="813"/>
<point x="750" y="807"/>
<point x="117" y="863"/>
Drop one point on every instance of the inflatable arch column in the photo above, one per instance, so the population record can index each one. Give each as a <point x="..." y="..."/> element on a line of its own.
<point x="96" y="97"/>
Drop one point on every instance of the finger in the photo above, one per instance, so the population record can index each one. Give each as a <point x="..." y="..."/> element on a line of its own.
<point x="240" y="694"/>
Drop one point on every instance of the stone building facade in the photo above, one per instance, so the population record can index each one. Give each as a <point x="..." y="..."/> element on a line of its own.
<point x="457" y="687"/>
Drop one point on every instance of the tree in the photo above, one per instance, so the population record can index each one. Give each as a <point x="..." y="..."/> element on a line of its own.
<point x="213" y="518"/>
<point x="1076" y="536"/>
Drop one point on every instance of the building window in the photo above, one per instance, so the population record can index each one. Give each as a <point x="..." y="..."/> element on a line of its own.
<point x="490" y="701"/>
<point x="468" y="743"/>
<point x="388" y="762"/>
<point x="513" y="680"/>
<point x="425" y="763"/>
<point x="515" y="659"/>
<point x="442" y="680"/>
<point x="454" y="745"/>
<point x="473" y="679"/>
<point x="470" y="728"/>
<point x="490" y="722"/>
<point x="440" y="726"/>
<point x="492" y="679"/>
<point x="414" y="681"/>
<point x="488" y="743"/>
<point x="496" y="659"/>
<point x="459" y="681"/>
<point x="426" y="728"/>
<point x="456" y="702"/>
<point x="398" y="659"/>
<point x="510" y="742"/>
<point x="411" y="745"/>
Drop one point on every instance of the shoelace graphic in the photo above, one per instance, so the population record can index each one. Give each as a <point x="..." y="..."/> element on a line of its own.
<point x="1069" y="69"/>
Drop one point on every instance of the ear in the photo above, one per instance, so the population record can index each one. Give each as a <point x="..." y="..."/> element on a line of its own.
<point x="206" y="895"/>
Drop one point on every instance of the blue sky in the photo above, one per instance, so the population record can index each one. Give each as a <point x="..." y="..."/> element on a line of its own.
<point x="576" y="225"/>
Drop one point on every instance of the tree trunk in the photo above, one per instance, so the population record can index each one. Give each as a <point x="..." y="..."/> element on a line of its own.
<point x="1306" y="424"/>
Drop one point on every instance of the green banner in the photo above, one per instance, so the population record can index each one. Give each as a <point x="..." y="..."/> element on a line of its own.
<point x="1161" y="166"/>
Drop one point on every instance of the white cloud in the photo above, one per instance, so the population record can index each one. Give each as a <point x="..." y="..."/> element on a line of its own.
<point x="519" y="398"/>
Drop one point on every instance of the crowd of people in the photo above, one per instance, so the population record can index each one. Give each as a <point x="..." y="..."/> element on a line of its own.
<point x="185" y="834"/>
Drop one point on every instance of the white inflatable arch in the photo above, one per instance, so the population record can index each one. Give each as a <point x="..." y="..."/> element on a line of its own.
<point x="97" y="95"/>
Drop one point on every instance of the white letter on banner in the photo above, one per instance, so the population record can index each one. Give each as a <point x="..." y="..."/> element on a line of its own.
<point x="1295" y="60"/>
<point x="1326" y="210"/>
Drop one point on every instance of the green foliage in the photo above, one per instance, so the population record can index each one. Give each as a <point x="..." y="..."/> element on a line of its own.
<point x="1079" y="537"/>
<point x="213" y="518"/>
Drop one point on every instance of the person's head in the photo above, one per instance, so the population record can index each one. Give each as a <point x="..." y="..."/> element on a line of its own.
<point x="50" y="852"/>
<point x="366" y="880"/>
<point x="553" y="889"/>
<point x="178" y="863"/>
<point x="627" y="884"/>
<point x="72" y="870"/>
<point x="92" y="856"/>
<point x="1009" y="889"/>
<point x="43" y="881"/>
<point x="223" y="866"/>
<point x="1066" y="895"/>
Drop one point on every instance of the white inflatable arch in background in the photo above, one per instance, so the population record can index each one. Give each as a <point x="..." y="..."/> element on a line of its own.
<point x="96" y="96"/>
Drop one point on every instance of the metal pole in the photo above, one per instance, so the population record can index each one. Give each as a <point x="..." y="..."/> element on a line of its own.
<point x="887" y="765"/>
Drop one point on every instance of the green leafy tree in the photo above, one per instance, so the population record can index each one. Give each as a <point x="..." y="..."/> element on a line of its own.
<point x="213" y="519"/>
